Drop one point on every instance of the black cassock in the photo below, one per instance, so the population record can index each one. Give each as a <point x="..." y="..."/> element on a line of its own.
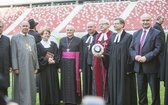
<point x="122" y="86"/>
<point x="5" y="60"/>
<point x="68" y="70"/>
<point x="49" y="83"/>
<point x="87" y="58"/>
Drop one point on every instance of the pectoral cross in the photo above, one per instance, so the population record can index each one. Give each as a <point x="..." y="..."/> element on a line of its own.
<point x="104" y="44"/>
<point x="68" y="50"/>
<point x="28" y="47"/>
<point x="88" y="46"/>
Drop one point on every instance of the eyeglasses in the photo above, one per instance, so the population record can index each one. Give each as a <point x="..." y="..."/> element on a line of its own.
<point x="145" y="20"/>
<point x="116" y="23"/>
<point x="103" y="24"/>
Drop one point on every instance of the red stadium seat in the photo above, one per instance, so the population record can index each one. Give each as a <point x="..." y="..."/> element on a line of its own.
<point x="93" y="12"/>
<point x="9" y="15"/>
<point x="47" y="16"/>
<point x="154" y="8"/>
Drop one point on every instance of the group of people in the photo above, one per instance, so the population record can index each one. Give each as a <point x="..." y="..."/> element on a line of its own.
<point x="110" y="75"/>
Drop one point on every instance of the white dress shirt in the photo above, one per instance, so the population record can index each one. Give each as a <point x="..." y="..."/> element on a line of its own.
<point x="147" y="30"/>
<point x="23" y="34"/>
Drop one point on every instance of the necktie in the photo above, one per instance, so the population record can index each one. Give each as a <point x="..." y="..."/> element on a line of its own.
<point x="142" y="42"/>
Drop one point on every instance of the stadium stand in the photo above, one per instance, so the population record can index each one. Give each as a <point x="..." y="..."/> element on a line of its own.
<point x="95" y="11"/>
<point x="52" y="16"/>
<point x="9" y="15"/>
<point x="48" y="16"/>
<point x="152" y="7"/>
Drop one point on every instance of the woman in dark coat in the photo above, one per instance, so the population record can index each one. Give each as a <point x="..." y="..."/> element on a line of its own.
<point x="48" y="61"/>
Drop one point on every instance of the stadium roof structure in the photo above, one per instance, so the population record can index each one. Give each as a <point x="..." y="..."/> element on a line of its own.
<point x="22" y="2"/>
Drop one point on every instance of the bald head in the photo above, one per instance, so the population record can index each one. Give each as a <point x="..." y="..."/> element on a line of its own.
<point x="145" y="15"/>
<point x="90" y="23"/>
<point x="91" y="28"/>
<point x="146" y="21"/>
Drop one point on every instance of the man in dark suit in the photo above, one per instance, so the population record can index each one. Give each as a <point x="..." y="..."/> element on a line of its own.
<point x="5" y="58"/>
<point x="158" y="25"/>
<point x="33" y="30"/>
<point x="144" y="50"/>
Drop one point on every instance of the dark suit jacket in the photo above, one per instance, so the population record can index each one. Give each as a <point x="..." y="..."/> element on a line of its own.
<point x="150" y="49"/>
<point x="5" y="58"/>
<point x="159" y="27"/>
<point x="36" y="35"/>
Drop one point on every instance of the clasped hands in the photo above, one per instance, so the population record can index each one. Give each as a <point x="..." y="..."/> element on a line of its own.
<point x="51" y="61"/>
<point x="99" y="55"/>
<point x="140" y="58"/>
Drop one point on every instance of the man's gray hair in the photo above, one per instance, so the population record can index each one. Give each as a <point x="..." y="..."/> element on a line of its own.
<point x="2" y="23"/>
<point x="159" y="16"/>
<point x="103" y="20"/>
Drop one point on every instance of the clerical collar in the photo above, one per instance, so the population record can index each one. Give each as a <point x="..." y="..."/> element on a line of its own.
<point x="92" y="34"/>
<point x="103" y="36"/>
<point x="120" y="32"/>
<point x="70" y="38"/>
<point x="118" y="37"/>
<point x="46" y="44"/>
<point x="89" y="39"/>
<point x="23" y="34"/>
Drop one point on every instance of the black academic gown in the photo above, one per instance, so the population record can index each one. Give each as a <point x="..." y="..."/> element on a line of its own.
<point x="158" y="26"/>
<point x="3" y="85"/>
<point x="122" y="86"/>
<point x="48" y="75"/>
<point x="5" y="59"/>
<point x="87" y="58"/>
<point x="68" y="70"/>
<point x="164" y="72"/>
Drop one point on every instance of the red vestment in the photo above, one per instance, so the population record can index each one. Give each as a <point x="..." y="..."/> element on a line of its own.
<point x="99" y="69"/>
